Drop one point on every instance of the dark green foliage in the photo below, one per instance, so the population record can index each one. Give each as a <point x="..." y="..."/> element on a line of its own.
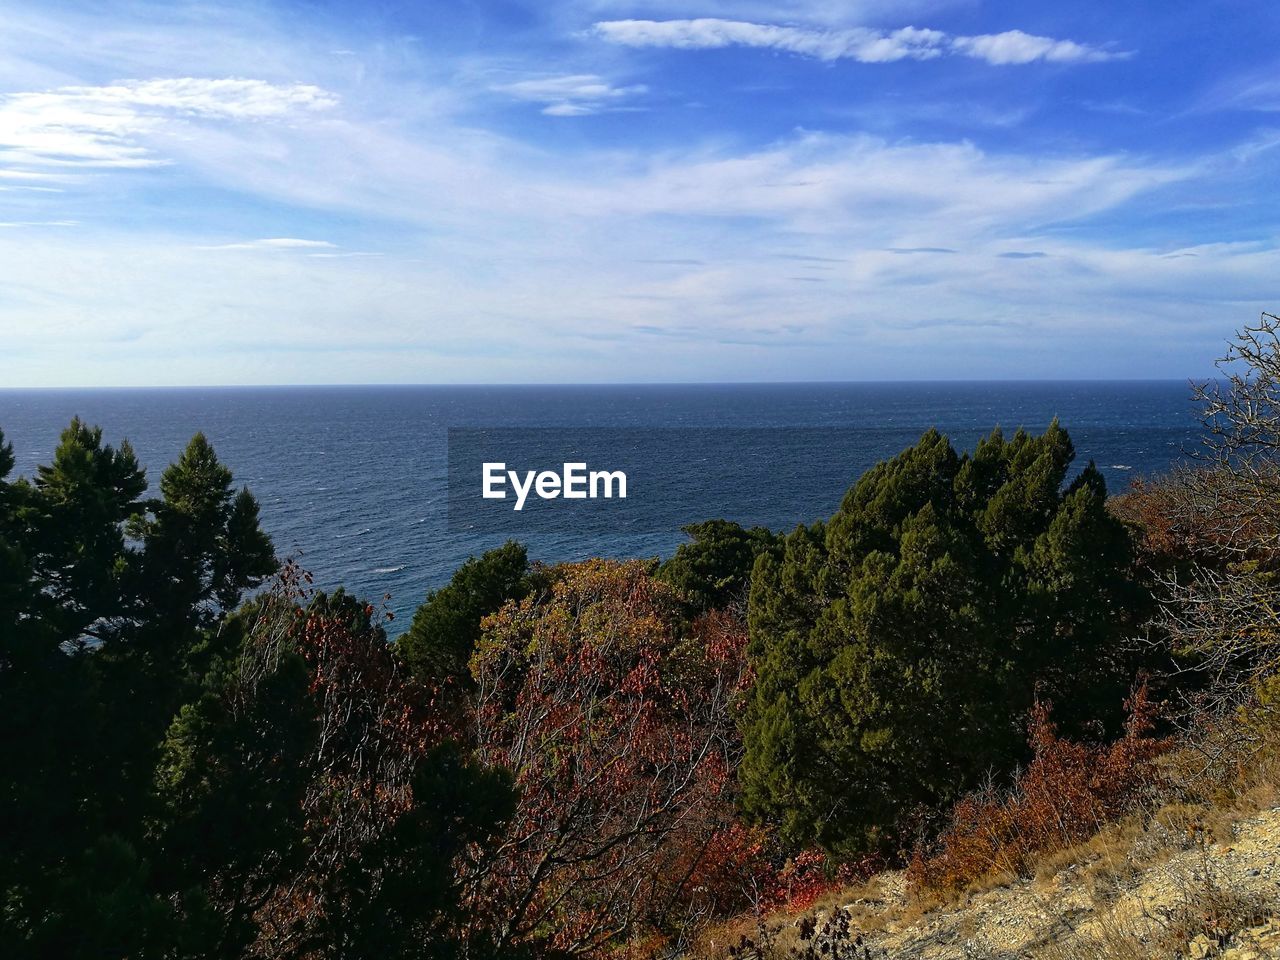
<point x="899" y="647"/>
<point x="398" y="899"/>
<point x="290" y="774"/>
<point x="93" y="647"/>
<point x="70" y="526"/>
<point x="197" y="776"/>
<point x="713" y="570"/>
<point x="179" y="778"/>
<point x="228" y="789"/>
<point x="204" y="547"/>
<point x="439" y="642"/>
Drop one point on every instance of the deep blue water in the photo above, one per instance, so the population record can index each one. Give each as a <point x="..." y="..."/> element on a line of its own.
<point x="354" y="479"/>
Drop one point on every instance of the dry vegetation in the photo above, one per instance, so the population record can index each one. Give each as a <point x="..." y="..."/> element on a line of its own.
<point x="1187" y="869"/>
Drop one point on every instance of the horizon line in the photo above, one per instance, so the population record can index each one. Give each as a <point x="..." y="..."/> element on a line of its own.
<point x="606" y="383"/>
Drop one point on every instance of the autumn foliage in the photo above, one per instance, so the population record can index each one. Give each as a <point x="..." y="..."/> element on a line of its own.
<point x="1067" y="793"/>
<point x="616" y="719"/>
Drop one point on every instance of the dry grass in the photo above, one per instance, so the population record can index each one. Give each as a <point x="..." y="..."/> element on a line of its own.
<point x="1145" y="885"/>
<point x="1203" y="909"/>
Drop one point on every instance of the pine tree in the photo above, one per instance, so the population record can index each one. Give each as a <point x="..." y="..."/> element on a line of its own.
<point x="713" y="570"/>
<point x="899" y="646"/>
<point x="445" y="628"/>
<point x="204" y="547"/>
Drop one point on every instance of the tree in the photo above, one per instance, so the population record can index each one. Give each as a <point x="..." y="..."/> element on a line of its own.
<point x="71" y="523"/>
<point x="443" y="635"/>
<point x="92" y="668"/>
<point x="203" y="545"/>
<point x="16" y="585"/>
<point x="899" y="646"/>
<point x="714" y="569"/>
<point x="315" y="801"/>
<point x="614" y="714"/>
<point x="199" y="779"/>
<point x="1218" y="606"/>
<point x="63" y="594"/>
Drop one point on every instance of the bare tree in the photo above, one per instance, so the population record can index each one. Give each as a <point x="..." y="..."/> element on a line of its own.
<point x="1222" y="606"/>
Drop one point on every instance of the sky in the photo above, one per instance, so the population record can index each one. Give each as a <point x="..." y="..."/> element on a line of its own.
<point x="373" y="191"/>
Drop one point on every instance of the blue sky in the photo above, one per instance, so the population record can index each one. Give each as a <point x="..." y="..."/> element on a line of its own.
<point x="556" y="191"/>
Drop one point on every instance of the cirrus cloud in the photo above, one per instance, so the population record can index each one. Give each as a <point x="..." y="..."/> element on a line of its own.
<point x="102" y="126"/>
<point x="573" y="95"/>
<point x="857" y="43"/>
<point x="276" y="243"/>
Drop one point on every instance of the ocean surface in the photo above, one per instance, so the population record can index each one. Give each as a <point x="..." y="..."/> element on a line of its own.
<point x="354" y="480"/>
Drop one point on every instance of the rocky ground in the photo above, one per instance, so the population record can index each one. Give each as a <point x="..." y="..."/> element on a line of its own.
<point x="1174" y="887"/>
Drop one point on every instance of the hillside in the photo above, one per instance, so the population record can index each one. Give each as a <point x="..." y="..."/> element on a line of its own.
<point x="1189" y="881"/>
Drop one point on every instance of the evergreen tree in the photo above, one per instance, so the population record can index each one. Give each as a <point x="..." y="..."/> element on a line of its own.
<point x="713" y="570"/>
<point x="445" y="628"/>
<point x="204" y="547"/>
<point x="72" y="519"/>
<point x="899" y="647"/>
<point x="103" y="597"/>
<point x="313" y="769"/>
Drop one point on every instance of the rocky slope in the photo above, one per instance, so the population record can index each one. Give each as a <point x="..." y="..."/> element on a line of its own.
<point x="1171" y="888"/>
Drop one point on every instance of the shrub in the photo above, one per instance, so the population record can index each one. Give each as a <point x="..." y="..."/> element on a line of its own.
<point x="615" y="715"/>
<point x="446" y="627"/>
<point x="1068" y="792"/>
<point x="714" y="568"/>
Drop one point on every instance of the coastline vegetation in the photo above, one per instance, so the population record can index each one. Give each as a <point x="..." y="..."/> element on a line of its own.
<point x="980" y="661"/>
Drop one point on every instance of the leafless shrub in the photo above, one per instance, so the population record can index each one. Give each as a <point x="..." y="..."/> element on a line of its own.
<point x="1221" y="606"/>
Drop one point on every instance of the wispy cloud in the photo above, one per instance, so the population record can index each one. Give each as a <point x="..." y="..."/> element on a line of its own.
<point x="574" y="95"/>
<point x="517" y="251"/>
<point x="1016" y="47"/>
<point x="1255" y="91"/>
<point x="275" y="243"/>
<point x="862" y="44"/>
<point x="104" y="126"/>
<point x="14" y="224"/>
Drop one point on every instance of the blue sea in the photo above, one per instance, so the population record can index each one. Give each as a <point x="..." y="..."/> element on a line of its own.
<point x="354" y="480"/>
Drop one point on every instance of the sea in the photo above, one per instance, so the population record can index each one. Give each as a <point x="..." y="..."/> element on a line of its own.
<point x="354" y="482"/>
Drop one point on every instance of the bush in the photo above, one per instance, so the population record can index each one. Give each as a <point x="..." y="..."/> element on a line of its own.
<point x="445" y="628"/>
<point x="1069" y="792"/>
<point x="713" y="569"/>
<point x="615" y="715"/>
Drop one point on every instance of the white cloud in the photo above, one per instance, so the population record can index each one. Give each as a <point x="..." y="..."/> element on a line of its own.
<point x="1016" y="47"/>
<point x="710" y="33"/>
<point x="275" y="243"/>
<point x="830" y="183"/>
<point x="857" y="43"/>
<point x="231" y="98"/>
<point x="142" y="311"/>
<point x="574" y="95"/>
<point x="569" y="110"/>
<point x="826" y="12"/>
<point x="518" y="259"/>
<point x="524" y="255"/>
<point x="105" y="126"/>
<point x="1260" y="92"/>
